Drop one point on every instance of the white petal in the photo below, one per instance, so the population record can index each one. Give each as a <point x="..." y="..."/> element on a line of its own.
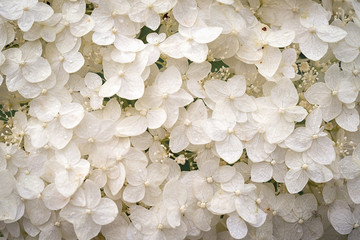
<point x="53" y="200"/>
<point x="270" y="61"/>
<point x="185" y="12"/>
<point x="344" y="52"/>
<point x="329" y="193"/>
<point x="261" y="172"/>
<point x="103" y="38"/>
<point x="112" y="110"/>
<point x="217" y="90"/>
<point x="300" y="140"/>
<point x="90" y="231"/>
<point x="110" y="87"/>
<point x="170" y="80"/>
<point x="105" y="212"/>
<point x="314" y="120"/>
<point x="81" y="28"/>
<point x="73" y="62"/>
<point x="197" y="135"/>
<point x="59" y="136"/>
<point x="132" y="87"/>
<point x="284" y="94"/>
<point x="134" y="194"/>
<point x="329" y="33"/>
<point x="123" y="57"/>
<point x="278" y="132"/>
<point x="313" y="48"/>
<point x="353" y="187"/>
<point x="322" y="151"/>
<point x="319" y="94"/>
<point x="281" y="38"/>
<point x="7" y="183"/>
<point x="45" y="107"/>
<point x="202" y="219"/>
<point x="71" y="115"/>
<point x="237" y="227"/>
<point x="196" y="52"/>
<point x="26" y="21"/>
<point x="73" y="11"/>
<point x="222" y="203"/>
<point x="131" y="126"/>
<point x="37" y="212"/>
<point x="246" y="208"/>
<point x="224" y="174"/>
<point x="29" y="186"/>
<point x="340" y="217"/>
<point x="295" y="180"/>
<point x="348" y="119"/>
<point x="92" y="194"/>
<point x="206" y="34"/>
<point x="153" y="20"/>
<point x="42" y="12"/>
<point x="230" y="149"/>
<point x="349" y="167"/>
<point x="319" y="173"/>
<point x="92" y="80"/>
<point x="37" y="71"/>
<point x="171" y="46"/>
<point x="178" y="139"/>
<point x="215" y="129"/>
<point x="65" y="41"/>
<point x="127" y="44"/>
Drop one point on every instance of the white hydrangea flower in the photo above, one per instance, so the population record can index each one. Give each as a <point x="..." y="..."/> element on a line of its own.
<point x="315" y="33"/>
<point x="26" y="12"/>
<point x="92" y="130"/>
<point x="56" y="228"/>
<point x="46" y="30"/>
<point x="152" y="224"/>
<point x="167" y="94"/>
<point x="348" y="49"/>
<point x="301" y="222"/>
<point x="111" y="19"/>
<point x="303" y="168"/>
<point x="12" y="158"/>
<point x="150" y="103"/>
<point x="273" y="167"/>
<point x="344" y="220"/>
<point x="335" y="98"/>
<point x="123" y="79"/>
<point x="73" y="26"/>
<point x="93" y="83"/>
<point x="279" y="111"/>
<point x="350" y="169"/>
<point x="235" y="195"/>
<point x="257" y="147"/>
<point x="312" y="140"/>
<point x="260" y="46"/>
<point x="89" y="209"/>
<point x="143" y="184"/>
<point x="69" y="170"/>
<point x="190" y="42"/>
<point x="148" y="11"/>
<point x="232" y="103"/>
<point x="25" y="64"/>
<point x="8" y="209"/>
<point x="226" y="136"/>
<point x="188" y="128"/>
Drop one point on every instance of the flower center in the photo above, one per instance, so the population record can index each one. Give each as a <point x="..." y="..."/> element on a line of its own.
<point x="304" y="166"/>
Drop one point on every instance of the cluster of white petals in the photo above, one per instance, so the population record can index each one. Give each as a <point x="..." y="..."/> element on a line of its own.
<point x="179" y="119"/>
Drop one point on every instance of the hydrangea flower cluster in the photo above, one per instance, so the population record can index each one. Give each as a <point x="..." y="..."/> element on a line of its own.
<point x="179" y="119"/>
